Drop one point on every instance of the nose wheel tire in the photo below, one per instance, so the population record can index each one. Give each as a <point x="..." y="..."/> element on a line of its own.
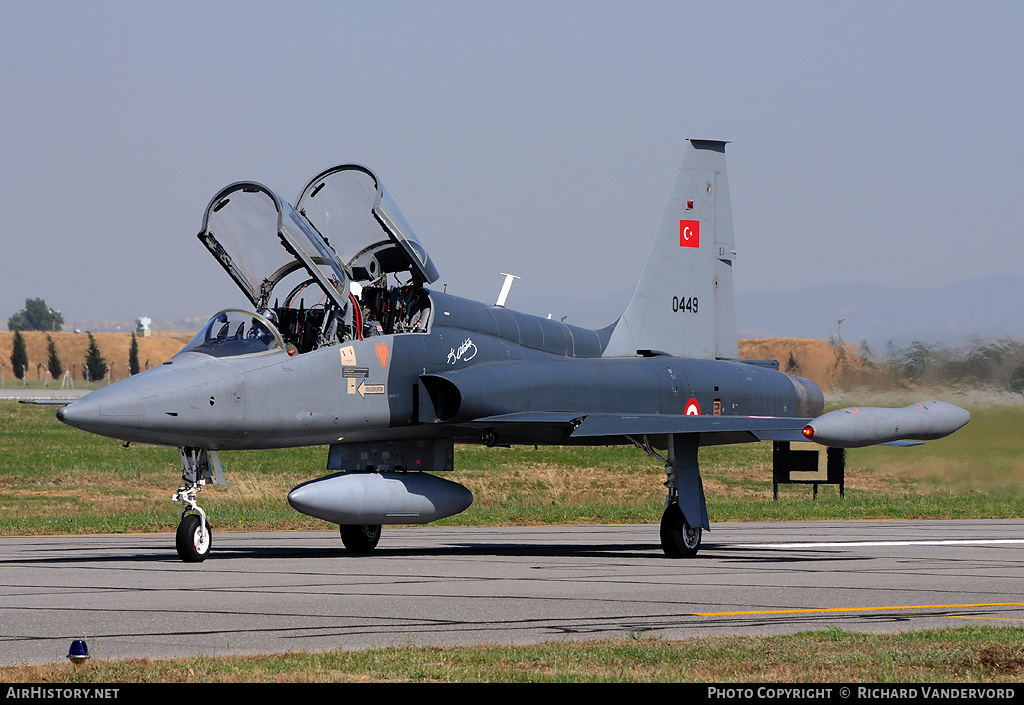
<point x="678" y="538"/>
<point x="192" y="542"/>
<point x="360" y="537"/>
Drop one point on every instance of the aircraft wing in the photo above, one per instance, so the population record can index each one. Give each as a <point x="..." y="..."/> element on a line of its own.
<point x="762" y="428"/>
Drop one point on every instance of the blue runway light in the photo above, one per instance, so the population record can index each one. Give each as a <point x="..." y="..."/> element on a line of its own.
<point x="79" y="651"/>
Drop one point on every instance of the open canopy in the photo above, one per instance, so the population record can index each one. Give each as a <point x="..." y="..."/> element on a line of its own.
<point x="348" y="205"/>
<point x="260" y="239"/>
<point x="345" y="227"/>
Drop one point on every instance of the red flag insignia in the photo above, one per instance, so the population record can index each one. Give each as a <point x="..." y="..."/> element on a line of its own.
<point x="689" y="233"/>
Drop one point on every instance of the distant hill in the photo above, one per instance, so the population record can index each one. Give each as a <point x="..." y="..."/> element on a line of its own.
<point x="951" y="312"/>
<point x="814" y="359"/>
<point x="833" y="367"/>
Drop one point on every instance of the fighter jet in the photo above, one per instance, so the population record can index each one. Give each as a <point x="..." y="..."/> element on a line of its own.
<point x="345" y="346"/>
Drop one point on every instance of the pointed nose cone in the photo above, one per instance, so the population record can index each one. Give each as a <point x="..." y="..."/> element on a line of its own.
<point x="107" y="411"/>
<point x="82" y="414"/>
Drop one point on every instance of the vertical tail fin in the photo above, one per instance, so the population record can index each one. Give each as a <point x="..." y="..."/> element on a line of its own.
<point x="683" y="303"/>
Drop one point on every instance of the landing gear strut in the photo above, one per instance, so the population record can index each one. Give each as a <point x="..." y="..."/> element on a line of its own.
<point x="194" y="538"/>
<point x="686" y="513"/>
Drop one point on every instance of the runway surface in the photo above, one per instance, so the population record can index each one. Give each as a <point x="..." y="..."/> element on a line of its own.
<point x="130" y="596"/>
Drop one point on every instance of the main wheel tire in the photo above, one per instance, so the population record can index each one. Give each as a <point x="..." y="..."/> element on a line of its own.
<point x="192" y="544"/>
<point x="678" y="538"/>
<point x="360" y="537"/>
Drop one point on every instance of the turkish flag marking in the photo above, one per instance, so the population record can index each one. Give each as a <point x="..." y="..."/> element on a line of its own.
<point x="689" y="233"/>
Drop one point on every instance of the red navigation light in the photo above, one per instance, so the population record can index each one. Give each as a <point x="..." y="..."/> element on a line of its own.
<point x="808" y="432"/>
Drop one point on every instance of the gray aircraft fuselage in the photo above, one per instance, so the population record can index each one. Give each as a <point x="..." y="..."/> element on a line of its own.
<point x="476" y="362"/>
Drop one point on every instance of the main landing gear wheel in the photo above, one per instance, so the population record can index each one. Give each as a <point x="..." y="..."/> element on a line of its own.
<point x="678" y="538"/>
<point x="360" y="537"/>
<point x="192" y="541"/>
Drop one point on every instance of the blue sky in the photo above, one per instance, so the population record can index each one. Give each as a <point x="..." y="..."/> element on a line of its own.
<point x="871" y="142"/>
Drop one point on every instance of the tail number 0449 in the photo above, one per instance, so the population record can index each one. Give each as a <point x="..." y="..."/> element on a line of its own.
<point x="686" y="304"/>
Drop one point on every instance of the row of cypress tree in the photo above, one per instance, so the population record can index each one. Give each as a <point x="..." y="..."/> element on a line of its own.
<point x="95" y="367"/>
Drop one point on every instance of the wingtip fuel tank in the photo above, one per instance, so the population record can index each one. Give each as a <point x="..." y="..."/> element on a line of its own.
<point x="855" y="427"/>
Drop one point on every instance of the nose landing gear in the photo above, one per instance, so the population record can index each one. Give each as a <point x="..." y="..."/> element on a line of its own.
<point x="194" y="538"/>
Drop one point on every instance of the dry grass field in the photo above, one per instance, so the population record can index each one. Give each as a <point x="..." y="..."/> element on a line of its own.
<point x="71" y="349"/>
